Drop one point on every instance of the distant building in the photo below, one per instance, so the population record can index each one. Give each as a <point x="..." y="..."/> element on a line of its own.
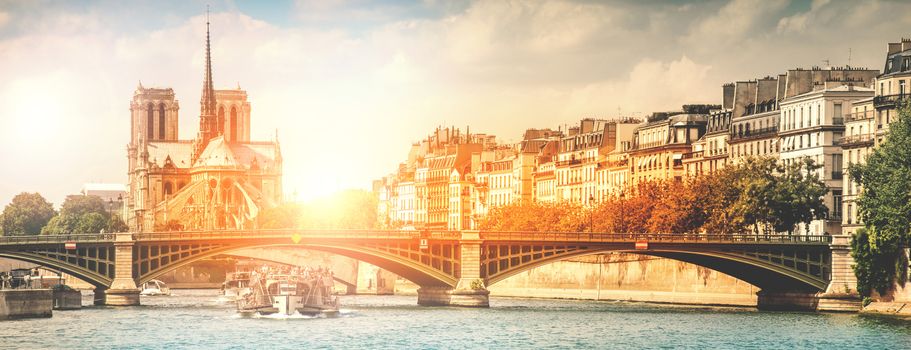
<point x="660" y="143"/>
<point x="113" y="195"/>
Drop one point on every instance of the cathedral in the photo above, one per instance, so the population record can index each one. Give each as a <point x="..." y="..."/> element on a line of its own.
<point x="219" y="181"/>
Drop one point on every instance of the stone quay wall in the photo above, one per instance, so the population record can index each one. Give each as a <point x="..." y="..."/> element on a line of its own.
<point x="26" y="303"/>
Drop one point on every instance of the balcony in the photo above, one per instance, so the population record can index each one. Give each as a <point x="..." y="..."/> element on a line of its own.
<point x="572" y="162"/>
<point x="850" y="117"/>
<point x="889" y="101"/>
<point x="617" y="163"/>
<point x="755" y="134"/>
<point x="693" y="155"/>
<point x="644" y="145"/>
<point x="855" y="141"/>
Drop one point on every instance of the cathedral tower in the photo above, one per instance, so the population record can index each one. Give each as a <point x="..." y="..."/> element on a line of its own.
<point x="153" y="113"/>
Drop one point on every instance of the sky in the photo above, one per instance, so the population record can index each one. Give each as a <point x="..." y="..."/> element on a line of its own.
<point x="348" y="85"/>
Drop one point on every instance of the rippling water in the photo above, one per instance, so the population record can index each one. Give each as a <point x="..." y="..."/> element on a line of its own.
<point x="198" y="319"/>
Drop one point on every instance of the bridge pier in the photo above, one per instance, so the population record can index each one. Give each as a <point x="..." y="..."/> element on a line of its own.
<point x="123" y="290"/>
<point x="841" y="295"/>
<point x="470" y="290"/>
<point x="786" y="300"/>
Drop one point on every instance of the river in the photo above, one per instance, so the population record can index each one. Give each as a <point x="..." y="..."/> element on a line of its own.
<point x="198" y="319"/>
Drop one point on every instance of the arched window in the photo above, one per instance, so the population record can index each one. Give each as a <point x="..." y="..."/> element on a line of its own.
<point x="235" y="128"/>
<point x="161" y="121"/>
<point x="168" y="188"/>
<point x="150" y="122"/>
<point x="221" y="120"/>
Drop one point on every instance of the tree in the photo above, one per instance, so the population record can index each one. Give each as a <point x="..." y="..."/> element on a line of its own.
<point x="884" y="206"/>
<point x="80" y="214"/>
<point x="116" y="224"/>
<point x="875" y="268"/>
<point x="283" y="216"/>
<point x="26" y="214"/>
<point x="537" y="216"/>
<point x="797" y="196"/>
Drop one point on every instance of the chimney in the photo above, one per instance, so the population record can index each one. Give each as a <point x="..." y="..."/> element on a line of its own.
<point x="895" y="48"/>
<point x="727" y="99"/>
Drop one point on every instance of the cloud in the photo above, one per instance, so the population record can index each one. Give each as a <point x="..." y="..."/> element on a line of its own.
<point x="651" y="86"/>
<point x="735" y="21"/>
<point x="348" y="97"/>
<point x="799" y="22"/>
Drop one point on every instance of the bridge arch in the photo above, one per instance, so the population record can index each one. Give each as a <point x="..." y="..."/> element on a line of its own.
<point x="751" y="268"/>
<point x="237" y="255"/>
<point x="96" y="279"/>
<point x="414" y="271"/>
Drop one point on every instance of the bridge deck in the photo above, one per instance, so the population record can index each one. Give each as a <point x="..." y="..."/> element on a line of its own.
<point x="581" y="237"/>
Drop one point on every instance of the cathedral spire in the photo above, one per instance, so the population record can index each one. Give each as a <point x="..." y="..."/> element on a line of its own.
<point x="207" y="101"/>
<point x="207" y="118"/>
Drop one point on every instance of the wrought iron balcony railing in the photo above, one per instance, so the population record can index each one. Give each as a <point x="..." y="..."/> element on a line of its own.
<point x="889" y="101"/>
<point x="856" y="140"/>
<point x="756" y="133"/>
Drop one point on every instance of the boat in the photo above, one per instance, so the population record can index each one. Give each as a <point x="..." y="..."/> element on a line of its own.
<point x="308" y="293"/>
<point x="237" y="283"/>
<point x="155" y="287"/>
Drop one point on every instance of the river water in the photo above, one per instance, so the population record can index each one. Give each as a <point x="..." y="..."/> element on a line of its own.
<point x="198" y="319"/>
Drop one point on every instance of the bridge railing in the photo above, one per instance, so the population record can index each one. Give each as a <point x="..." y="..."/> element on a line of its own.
<point x="341" y="234"/>
<point x="61" y="239"/>
<point x="652" y="237"/>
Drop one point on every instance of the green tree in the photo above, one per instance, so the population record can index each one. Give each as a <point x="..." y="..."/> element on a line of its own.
<point x="875" y="267"/>
<point x="283" y="216"/>
<point x="26" y="214"/>
<point x="80" y="214"/>
<point x="798" y="196"/>
<point x="116" y="224"/>
<point x="884" y="206"/>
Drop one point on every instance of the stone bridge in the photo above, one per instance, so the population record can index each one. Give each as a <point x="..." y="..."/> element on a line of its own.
<point x="452" y="267"/>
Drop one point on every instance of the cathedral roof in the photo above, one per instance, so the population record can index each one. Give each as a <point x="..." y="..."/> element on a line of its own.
<point x="235" y="155"/>
<point x="218" y="154"/>
<point x="179" y="153"/>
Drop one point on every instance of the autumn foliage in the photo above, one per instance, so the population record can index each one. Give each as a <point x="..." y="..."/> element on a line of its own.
<point x="758" y="196"/>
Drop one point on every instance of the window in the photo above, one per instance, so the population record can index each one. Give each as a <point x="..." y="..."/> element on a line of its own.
<point x="150" y="122"/>
<point x="850" y="214"/>
<point x="161" y="121"/>
<point x="234" y="131"/>
<point x="836" y="114"/>
<point x="836" y="195"/>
